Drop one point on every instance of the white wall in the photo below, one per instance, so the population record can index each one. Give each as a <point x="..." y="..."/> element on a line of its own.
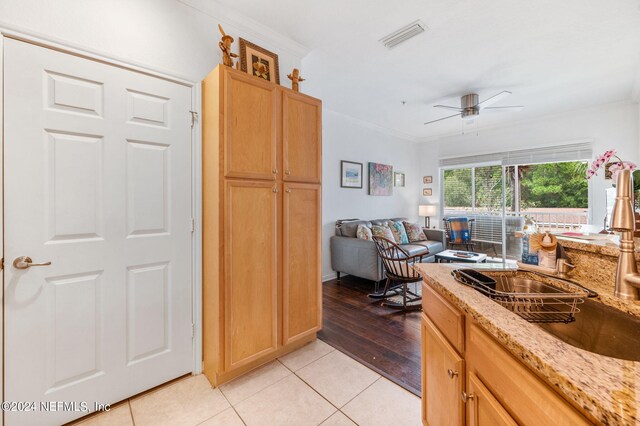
<point x="347" y="139"/>
<point x="613" y="126"/>
<point x="169" y="35"/>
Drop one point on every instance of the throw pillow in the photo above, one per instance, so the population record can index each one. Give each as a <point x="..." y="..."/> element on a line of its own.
<point x="382" y="232"/>
<point x="364" y="233"/>
<point x="396" y="236"/>
<point x="414" y="232"/>
<point x="399" y="233"/>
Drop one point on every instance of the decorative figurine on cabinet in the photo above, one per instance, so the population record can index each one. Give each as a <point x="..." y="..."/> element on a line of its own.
<point x="225" y="45"/>
<point x="295" y="79"/>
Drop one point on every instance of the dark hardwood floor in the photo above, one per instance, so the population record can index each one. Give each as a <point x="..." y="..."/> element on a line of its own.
<point x="384" y="339"/>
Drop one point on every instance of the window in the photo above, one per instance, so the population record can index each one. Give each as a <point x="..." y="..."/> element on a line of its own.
<point x="559" y="187"/>
<point x="458" y="189"/>
<point x="554" y="194"/>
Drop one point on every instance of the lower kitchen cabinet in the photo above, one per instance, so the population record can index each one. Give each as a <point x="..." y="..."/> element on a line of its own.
<point x="469" y="378"/>
<point x="442" y="378"/>
<point x="482" y="408"/>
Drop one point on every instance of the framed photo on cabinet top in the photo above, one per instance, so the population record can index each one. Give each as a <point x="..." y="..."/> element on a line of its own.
<point x="259" y="62"/>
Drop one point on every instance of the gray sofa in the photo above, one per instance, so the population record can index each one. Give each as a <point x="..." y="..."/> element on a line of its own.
<point x="354" y="256"/>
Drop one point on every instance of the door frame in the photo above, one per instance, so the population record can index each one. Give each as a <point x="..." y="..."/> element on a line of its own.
<point x="7" y="31"/>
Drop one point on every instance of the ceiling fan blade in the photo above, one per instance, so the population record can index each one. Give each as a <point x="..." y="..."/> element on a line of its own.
<point x="440" y="119"/>
<point x="493" y="99"/>
<point x="448" y="107"/>
<point x="511" y="107"/>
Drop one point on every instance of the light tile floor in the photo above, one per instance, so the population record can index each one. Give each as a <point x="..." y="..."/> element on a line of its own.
<point x="314" y="385"/>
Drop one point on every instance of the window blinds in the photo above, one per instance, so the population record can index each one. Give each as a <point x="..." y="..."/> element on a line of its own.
<point x="549" y="154"/>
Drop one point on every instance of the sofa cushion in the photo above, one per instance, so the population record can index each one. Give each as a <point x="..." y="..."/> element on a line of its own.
<point x="414" y="231"/>
<point x="415" y="249"/>
<point x="399" y="232"/>
<point x="364" y="233"/>
<point x="433" y="246"/>
<point x="350" y="229"/>
<point x="382" y="232"/>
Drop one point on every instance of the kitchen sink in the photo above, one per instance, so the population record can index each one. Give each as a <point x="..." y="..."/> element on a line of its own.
<point x="587" y="324"/>
<point x="600" y="329"/>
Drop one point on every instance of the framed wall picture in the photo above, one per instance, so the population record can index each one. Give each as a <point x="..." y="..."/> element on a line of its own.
<point x="398" y="179"/>
<point x="380" y="179"/>
<point x="427" y="179"/>
<point x="351" y="174"/>
<point x="427" y="192"/>
<point x="259" y="62"/>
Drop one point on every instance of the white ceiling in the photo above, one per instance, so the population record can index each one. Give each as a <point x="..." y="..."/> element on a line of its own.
<point x="553" y="55"/>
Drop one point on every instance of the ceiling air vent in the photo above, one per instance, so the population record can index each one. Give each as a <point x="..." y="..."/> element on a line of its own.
<point x="403" y="34"/>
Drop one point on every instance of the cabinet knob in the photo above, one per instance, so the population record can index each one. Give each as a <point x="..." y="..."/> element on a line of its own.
<point x="288" y="190"/>
<point x="287" y="172"/>
<point x="452" y="373"/>
<point x="274" y="171"/>
<point x="466" y="397"/>
<point x="276" y="190"/>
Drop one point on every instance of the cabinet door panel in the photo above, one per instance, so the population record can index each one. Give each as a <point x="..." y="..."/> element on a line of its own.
<point x="302" y="291"/>
<point x="249" y="127"/>
<point x="442" y="378"/>
<point x="251" y="268"/>
<point x="534" y="402"/>
<point x="483" y="409"/>
<point x="302" y="138"/>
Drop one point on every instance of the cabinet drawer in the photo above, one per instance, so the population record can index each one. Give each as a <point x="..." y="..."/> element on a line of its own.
<point x="448" y="319"/>
<point x="526" y="397"/>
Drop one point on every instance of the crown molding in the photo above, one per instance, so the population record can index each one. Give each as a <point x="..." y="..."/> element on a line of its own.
<point x="248" y="26"/>
<point x="375" y="127"/>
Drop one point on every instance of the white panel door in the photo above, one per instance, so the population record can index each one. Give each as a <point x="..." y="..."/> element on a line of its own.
<point x="98" y="182"/>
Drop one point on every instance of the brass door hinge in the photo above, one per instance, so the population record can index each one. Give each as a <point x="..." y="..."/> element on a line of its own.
<point x="194" y="118"/>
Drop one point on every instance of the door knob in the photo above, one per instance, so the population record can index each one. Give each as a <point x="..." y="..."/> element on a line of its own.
<point x="25" y="262"/>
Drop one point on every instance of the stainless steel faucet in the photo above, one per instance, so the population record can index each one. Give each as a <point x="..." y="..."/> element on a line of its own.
<point x="563" y="268"/>
<point x="623" y="221"/>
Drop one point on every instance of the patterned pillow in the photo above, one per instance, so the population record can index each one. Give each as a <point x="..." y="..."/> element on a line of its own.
<point x="414" y="232"/>
<point x="382" y="231"/>
<point x="399" y="232"/>
<point x="364" y="233"/>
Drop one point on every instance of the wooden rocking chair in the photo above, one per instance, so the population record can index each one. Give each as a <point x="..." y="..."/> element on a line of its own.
<point x="398" y="266"/>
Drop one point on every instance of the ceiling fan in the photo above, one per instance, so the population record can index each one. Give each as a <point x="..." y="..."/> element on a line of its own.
<point x="470" y="107"/>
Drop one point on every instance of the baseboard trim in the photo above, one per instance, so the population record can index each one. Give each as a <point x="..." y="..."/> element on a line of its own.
<point x="329" y="277"/>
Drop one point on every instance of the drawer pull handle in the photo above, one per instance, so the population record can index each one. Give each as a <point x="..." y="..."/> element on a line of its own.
<point x="452" y="373"/>
<point x="466" y="397"/>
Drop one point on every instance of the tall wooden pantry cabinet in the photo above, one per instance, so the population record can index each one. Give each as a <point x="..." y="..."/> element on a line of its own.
<point x="262" y="152"/>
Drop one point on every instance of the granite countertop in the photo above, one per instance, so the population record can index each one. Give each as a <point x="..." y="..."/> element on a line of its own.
<point x="607" y="388"/>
